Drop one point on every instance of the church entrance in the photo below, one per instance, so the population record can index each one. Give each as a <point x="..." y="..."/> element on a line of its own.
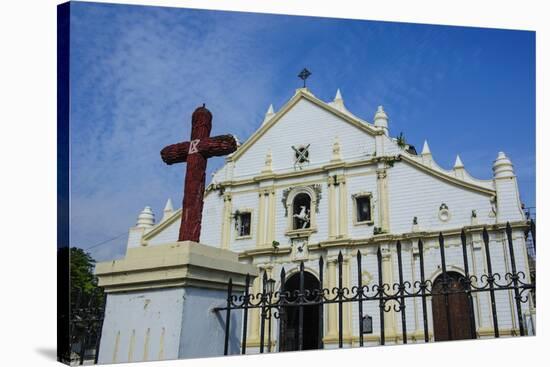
<point x="454" y="323"/>
<point x="290" y="321"/>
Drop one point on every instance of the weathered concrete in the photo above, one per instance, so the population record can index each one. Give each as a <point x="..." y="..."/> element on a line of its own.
<point x="160" y="303"/>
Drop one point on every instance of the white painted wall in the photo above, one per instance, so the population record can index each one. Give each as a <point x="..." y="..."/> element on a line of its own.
<point x="158" y="311"/>
<point x="304" y="124"/>
<point x="416" y="193"/>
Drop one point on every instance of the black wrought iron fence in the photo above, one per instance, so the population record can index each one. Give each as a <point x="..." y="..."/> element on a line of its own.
<point x="276" y="304"/>
<point x="86" y="323"/>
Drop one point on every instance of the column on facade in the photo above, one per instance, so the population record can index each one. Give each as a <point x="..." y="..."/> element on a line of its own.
<point x="417" y="308"/>
<point x="271" y="213"/>
<point x="481" y="300"/>
<point x="331" y="207"/>
<point x="260" y="235"/>
<point x="383" y="201"/>
<point x="254" y="313"/>
<point x="332" y="308"/>
<point x="226" y="221"/>
<point x="387" y="277"/>
<point x="346" y="282"/>
<point x="343" y="207"/>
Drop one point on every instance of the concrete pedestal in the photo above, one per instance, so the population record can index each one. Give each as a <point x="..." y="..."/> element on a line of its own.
<point x="160" y="302"/>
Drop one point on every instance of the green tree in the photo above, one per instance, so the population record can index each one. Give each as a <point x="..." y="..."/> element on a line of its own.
<point x="82" y="267"/>
<point x="83" y="282"/>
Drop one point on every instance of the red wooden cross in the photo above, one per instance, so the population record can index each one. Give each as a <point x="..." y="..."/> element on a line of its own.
<point x="196" y="152"/>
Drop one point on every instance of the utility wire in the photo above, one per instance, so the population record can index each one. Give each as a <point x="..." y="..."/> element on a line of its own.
<point x="104" y="242"/>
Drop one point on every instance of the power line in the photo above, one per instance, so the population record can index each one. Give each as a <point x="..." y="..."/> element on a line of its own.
<point x="104" y="242"/>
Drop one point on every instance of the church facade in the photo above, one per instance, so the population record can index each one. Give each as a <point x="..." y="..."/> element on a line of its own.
<point x="315" y="180"/>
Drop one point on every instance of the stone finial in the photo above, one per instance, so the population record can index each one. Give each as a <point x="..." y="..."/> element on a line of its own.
<point x="336" y="150"/>
<point x="269" y="114"/>
<point x="426" y="154"/>
<point x="268" y="164"/>
<point x="458" y="162"/>
<point x="168" y="209"/>
<point x="146" y="219"/>
<point x="502" y="166"/>
<point x="381" y="119"/>
<point x="458" y="168"/>
<point x="338" y="101"/>
<point x="426" y="148"/>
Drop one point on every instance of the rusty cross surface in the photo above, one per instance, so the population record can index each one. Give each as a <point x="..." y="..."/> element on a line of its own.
<point x="196" y="153"/>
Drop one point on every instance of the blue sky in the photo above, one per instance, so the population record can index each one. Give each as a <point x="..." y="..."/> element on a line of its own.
<point x="137" y="73"/>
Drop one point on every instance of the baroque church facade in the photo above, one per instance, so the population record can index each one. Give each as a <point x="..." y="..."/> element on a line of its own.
<point x="315" y="180"/>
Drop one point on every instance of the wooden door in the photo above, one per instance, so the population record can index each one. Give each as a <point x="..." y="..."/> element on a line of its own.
<point x="454" y="324"/>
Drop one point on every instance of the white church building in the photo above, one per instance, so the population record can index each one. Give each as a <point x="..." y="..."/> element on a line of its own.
<point x="315" y="180"/>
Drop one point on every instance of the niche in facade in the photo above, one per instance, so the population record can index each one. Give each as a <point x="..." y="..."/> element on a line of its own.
<point x="301" y="210"/>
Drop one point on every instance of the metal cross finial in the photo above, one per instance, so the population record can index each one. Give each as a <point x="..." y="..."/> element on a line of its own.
<point x="304" y="74"/>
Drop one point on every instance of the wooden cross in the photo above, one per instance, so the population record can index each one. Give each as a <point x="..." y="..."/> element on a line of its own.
<point x="196" y="152"/>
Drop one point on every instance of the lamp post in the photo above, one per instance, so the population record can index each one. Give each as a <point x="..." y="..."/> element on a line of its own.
<point x="270" y="290"/>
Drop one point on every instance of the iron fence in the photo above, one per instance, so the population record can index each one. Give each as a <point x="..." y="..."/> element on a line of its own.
<point x="86" y="323"/>
<point x="389" y="297"/>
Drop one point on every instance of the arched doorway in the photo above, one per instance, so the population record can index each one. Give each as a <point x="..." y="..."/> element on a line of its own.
<point x="458" y="315"/>
<point x="288" y="335"/>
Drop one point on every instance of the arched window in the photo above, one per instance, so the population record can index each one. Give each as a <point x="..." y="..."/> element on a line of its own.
<point x="301" y="211"/>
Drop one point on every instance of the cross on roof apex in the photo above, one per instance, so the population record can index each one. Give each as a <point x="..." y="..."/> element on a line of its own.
<point x="304" y="74"/>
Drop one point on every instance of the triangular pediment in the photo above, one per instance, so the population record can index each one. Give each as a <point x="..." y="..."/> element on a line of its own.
<point x="301" y="95"/>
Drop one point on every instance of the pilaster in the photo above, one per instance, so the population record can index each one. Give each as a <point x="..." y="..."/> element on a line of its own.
<point x="332" y="308"/>
<point x="383" y="200"/>
<point x="226" y="221"/>
<point x="387" y="277"/>
<point x="271" y="216"/>
<point x="343" y="207"/>
<point x="260" y="234"/>
<point x="331" y="207"/>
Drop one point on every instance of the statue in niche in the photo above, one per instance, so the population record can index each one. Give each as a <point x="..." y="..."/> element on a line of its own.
<point x="301" y="211"/>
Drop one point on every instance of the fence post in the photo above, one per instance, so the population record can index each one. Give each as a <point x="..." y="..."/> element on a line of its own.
<point x="227" y="317"/>
<point x="515" y="278"/>
<point x="245" y="316"/>
<point x="401" y="293"/>
<point x="467" y="284"/>
<point x="423" y="290"/>
<point x="381" y="297"/>
<point x="360" y="298"/>
<point x="301" y="299"/>
<point x="282" y="314"/>
<point x="321" y="304"/>
<point x="340" y="303"/>
<point x="263" y="313"/>
<point x="491" y="281"/>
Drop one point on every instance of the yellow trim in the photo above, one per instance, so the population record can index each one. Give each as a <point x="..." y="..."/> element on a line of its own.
<point x="343" y="206"/>
<point x="226" y="221"/>
<point x="489" y="331"/>
<point x="445" y="177"/>
<point x="260" y="232"/>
